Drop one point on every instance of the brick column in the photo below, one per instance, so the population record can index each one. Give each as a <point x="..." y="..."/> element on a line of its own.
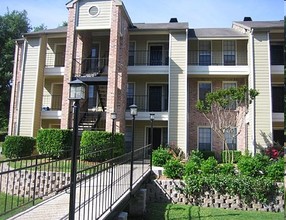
<point x="70" y="42"/>
<point x="117" y="69"/>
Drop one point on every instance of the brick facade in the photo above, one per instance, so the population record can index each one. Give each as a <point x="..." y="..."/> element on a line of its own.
<point x="197" y="119"/>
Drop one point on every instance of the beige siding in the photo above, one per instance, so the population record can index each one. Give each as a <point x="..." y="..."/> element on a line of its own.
<point x="28" y="98"/>
<point x="101" y="21"/>
<point x="262" y="78"/>
<point x="177" y="90"/>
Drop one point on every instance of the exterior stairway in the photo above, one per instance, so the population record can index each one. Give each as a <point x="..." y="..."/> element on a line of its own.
<point x="89" y="121"/>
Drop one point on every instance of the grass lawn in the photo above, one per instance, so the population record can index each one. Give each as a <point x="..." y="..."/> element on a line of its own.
<point x="13" y="202"/>
<point x="163" y="211"/>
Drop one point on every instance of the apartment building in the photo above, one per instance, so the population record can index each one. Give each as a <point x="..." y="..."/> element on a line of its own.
<point x="163" y="68"/>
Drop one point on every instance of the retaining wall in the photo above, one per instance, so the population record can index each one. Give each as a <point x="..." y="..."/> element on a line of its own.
<point x="167" y="191"/>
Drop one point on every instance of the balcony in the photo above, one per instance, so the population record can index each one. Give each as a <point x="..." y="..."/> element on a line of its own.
<point x="51" y="107"/>
<point x="217" y="62"/>
<point x="55" y="63"/>
<point x="148" y="61"/>
<point x="148" y="103"/>
<point x="91" y="67"/>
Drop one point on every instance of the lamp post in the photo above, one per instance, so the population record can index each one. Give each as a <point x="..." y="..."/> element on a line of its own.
<point x="77" y="93"/>
<point x="133" y="112"/>
<point x="152" y="117"/>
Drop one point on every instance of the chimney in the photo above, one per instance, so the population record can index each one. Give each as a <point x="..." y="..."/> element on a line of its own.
<point x="247" y="19"/>
<point x="173" y="20"/>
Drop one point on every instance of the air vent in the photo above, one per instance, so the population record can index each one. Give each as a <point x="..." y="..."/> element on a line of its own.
<point x="93" y="11"/>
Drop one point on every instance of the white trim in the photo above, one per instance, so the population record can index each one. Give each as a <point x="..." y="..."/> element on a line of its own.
<point x="186" y="97"/>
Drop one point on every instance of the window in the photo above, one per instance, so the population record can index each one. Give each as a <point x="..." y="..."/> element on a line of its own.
<point x="229" y="52"/>
<point x="130" y="94"/>
<point x="278" y="99"/>
<point x="227" y="85"/>
<point x="231" y="138"/>
<point x="204" y="53"/>
<point x="204" y="88"/>
<point x="277" y="54"/>
<point x="205" y="139"/>
<point x="131" y="58"/>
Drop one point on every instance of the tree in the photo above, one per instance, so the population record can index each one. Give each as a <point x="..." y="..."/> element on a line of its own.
<point x="12" y="25"/>
<point x="225" y="109"/>
<point x="41" y="27"/>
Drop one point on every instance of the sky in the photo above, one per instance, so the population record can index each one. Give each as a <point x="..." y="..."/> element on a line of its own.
<point x="198" y="13"/>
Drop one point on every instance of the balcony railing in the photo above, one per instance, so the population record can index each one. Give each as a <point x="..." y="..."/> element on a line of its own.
<point x="149" y="103"/>
<point x="90" y="66"/>
<point x="148" y="58"/>
<point x="216" y="58"/>
<point x="55" y="59"/>
<point x="52" y="103"/>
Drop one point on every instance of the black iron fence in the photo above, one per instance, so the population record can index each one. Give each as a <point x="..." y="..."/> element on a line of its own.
<point x="28" y="180"/>
<point x="101" y="183"/>
<point x="107" y="182"/>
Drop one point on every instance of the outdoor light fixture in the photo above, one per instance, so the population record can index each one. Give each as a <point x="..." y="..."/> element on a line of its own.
<point x="113" y="115"/>
<point x="133" y="110"/>
<point x="77" y="93"/>
<point x="77" y="90"/>
<point x="152" y="116"/>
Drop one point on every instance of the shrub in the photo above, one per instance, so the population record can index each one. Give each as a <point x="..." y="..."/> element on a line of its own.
<point x="230" y="156"/>
<point x="208" y="154"/>
<point x="93" y="145"/>
<point x="18" y="146"/>
<point x="193" y="165"/>
<point x="275" y="171"/>
<point x="253" y="166"/>
<point x="226" y="169"/>
<point x="274" y="151"/>
<point x="160" y="157"/>
<point x="54" y="142"/>
<point x="174" y="169"/>
<point x="209" y="166"/>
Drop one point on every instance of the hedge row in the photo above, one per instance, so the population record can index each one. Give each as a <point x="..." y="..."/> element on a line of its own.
<point x="58" y="142"/>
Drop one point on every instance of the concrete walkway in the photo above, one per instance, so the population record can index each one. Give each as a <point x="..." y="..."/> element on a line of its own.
<point x="93" y="206"/>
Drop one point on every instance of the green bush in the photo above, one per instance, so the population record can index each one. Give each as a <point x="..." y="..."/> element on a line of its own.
<point x="160" y="157"/>
<point x="18" y="146"/>
<point x="230" y="156"/>
<point x="174" y="169"/>
<point x="253" y="166"/>
<point x="94" y="143"/>
<point x="275" y="171"/>
<point x="226" y="168"/>
<point x="207" y="154"/>
<point x="248" y="188"/>
<point x="209" y="166"/>
<point x="197" y="156"/>
<point x="54" y="142"/>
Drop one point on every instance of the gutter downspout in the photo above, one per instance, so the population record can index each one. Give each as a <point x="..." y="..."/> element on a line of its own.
<point x="253" y="87"/>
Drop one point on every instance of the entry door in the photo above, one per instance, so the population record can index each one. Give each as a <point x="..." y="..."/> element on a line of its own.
<point x="94" y="58"/>
<point x="92" y="96"/>
<point x="156" y="55"/>
<point x="155" y="98"/>
<point x="157" y="137"/>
